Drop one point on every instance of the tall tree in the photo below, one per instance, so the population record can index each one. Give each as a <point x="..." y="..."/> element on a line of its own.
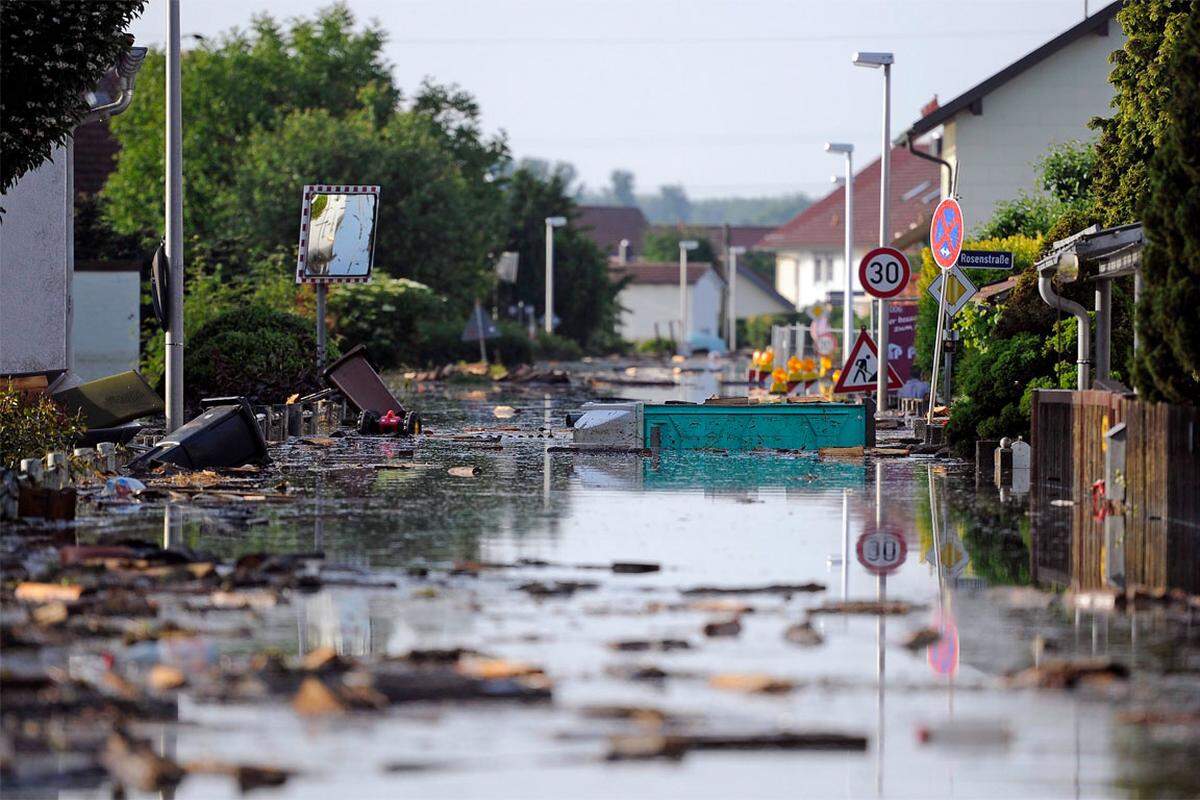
<point x="51" y="53"/>
<point x="584" y="297"/>
<point x="313" y="102"/>
<point x="622" y="187"/>
<point x="1167" y="365"/>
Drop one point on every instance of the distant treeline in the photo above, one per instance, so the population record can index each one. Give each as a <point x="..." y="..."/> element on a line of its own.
<point x="671" y="205"/>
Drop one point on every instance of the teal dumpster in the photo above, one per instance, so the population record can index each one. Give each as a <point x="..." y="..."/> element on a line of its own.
<point x="782" y="426"/>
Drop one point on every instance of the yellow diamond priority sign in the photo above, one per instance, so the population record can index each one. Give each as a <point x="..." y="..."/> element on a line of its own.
<point x="959" y="290"/>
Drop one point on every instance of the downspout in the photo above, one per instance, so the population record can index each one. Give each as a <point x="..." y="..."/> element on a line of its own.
<point x="908" y="142"/>
<point x="1056" y="301"/>
<point x="127" y="68"/>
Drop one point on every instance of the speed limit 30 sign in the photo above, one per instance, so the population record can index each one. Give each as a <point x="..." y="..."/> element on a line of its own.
<point x="884" y="272"/>
<point x="881" y="551"/>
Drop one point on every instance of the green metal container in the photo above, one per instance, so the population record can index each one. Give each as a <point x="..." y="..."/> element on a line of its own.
<point x="782" y="426"/>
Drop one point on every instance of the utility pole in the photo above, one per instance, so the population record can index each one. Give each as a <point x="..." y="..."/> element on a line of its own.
<point x="174" y="221"/>
<point x="874" y="61"/>
<point x="551" y="224"/>
<point x="848" y="292"/>
<point x="731" y="314"/>
<point x="684" y="247"/>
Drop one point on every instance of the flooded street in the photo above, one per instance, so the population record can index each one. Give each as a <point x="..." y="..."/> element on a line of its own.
<point x="547" y="558"/>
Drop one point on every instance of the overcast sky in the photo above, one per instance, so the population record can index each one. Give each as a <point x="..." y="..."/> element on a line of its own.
<point x="727" y="97"/>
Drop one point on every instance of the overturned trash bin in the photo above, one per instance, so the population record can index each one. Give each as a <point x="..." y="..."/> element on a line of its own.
<point x="354" y="377"/>
<point x="380" y="411"/>
<point x="109" y="406"/>
<point x="226" y="434"/>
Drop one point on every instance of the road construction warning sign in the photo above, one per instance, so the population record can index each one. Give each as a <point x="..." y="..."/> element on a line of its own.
<point x="959" y="290"/>
<point x="861" y="369"/>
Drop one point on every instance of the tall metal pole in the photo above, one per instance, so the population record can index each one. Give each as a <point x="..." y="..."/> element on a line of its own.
<point x="549" y="278"/>
<point x="322" y="293"/>
<point x="174" y="221"/>
<point x="683" y="300"/>
<point x="848" y="299"/>
<point x="885" y="161"/>
<point x="731" y="314"/>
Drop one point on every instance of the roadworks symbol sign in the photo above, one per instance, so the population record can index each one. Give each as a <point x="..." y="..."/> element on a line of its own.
<point x="861" y="369"/>
<point x="959" y="290"/>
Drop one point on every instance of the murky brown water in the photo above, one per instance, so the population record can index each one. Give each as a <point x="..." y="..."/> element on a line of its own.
<point x="708" y="519"/>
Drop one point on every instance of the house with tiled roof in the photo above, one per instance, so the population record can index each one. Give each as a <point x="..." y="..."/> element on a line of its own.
<point x="649" y="301"/>
<point x="608" y="226"/>
<point x="809" y="248"/>
<point x="995" y="133"/>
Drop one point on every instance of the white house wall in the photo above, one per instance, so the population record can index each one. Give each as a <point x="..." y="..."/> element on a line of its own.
<point x="996" y="152"/>
<point x="647" y="304"/>
<point x="107" y="315"/>
<point x="34" y="270"/>
<point x="753" y="301"/>
<point x="811" y="290"/>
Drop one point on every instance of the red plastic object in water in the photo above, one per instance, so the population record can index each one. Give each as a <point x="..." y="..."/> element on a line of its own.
<point x="390" y="422"/>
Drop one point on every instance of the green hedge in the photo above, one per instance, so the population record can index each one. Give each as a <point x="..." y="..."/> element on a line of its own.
<point x="253" y="351"/>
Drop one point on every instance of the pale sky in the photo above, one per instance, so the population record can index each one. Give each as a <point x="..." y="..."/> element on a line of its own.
<point x="727" y="97"/>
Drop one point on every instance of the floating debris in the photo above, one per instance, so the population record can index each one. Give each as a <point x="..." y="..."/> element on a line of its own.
<point x="803" y="634"/>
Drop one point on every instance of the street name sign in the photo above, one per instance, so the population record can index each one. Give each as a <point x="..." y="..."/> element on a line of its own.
<point x="959" y="289"/>
<point x="985" y="259"/>
<point x="881" y="552"/>
<point x="859" y="373"/>
<point x="946" y="233"/>
<point x="884" y="272"/>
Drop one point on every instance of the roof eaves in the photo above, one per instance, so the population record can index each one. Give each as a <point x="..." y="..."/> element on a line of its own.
<point x="944" y="113"/>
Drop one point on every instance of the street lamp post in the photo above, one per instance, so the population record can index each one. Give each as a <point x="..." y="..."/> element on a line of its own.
<point x="174" y="223"/>
<point x="875" y="61"/>
<point x="848" y="292"/>
<point x="684" y="247"/>
<point x="551" y="224"/>
<point x="731" y="313"/>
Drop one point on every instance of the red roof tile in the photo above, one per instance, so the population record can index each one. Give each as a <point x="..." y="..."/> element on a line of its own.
<point x="662" y="273"/>
<point x="822" y="223"/>
<point x="608" y="225"/>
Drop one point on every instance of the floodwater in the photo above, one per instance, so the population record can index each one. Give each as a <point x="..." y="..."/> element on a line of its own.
<point x="708" y="519"/>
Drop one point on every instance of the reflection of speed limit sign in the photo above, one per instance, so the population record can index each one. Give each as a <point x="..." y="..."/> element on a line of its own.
<point x="884" y="272"/>
<point x="881" y="552"/>
<point x="825" y="344"/>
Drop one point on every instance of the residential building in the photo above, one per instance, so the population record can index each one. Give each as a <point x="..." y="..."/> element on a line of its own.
<point x="650" y="301"/>
<point x="756" y="296"/>
<point x="608" y="226"/>
<point x="810" y="248"/>
<point x="995" y="132"/>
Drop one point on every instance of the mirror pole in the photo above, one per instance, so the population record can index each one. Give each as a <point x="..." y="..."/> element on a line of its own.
<point x="322" y="288"/>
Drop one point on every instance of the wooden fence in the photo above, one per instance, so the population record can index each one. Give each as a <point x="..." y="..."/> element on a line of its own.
<point x="1152" y="538"/>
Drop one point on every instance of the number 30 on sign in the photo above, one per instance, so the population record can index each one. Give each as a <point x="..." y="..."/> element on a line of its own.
<point x="881" y="551"/>
<point x="884" y="272"/>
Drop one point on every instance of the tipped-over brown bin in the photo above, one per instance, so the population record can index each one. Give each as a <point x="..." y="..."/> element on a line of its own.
<point x="354" y="377"/>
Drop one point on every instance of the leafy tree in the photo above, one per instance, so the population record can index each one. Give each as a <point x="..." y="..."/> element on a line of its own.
<point x="584" y="297"/>
<point x="1148" y="74"/>
<point x="662" y="244"/>
<point x="53" y="52"/>
<point x="622" y="187"/>
<point x="1167" y="365"/>
<point x="277" y="107"/>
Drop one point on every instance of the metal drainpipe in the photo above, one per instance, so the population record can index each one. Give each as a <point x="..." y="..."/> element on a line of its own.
<point x="1083" y="357"/>
<point x="912" y="148"/>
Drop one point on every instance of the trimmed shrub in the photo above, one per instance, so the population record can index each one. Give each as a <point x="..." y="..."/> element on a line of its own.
<point x="263" y="354"/>
<point x="552" y="347"/>
<point x="384" y="316"/>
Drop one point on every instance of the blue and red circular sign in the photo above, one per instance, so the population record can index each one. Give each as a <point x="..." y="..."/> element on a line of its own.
<point x="946" y="233"/>
<point x="943" y="654"/>
<point x="884" y="272"/>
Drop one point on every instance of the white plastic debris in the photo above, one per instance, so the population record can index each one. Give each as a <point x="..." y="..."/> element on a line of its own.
<point x="123" y="487"/>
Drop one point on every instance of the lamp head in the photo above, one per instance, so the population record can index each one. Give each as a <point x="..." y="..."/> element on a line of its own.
<point x="737" y="249"/>
<point x="556" y="222"/>
<point x="864" y="58"/>
<point x="688" y="244"/>
<point x="839" y="147"/>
